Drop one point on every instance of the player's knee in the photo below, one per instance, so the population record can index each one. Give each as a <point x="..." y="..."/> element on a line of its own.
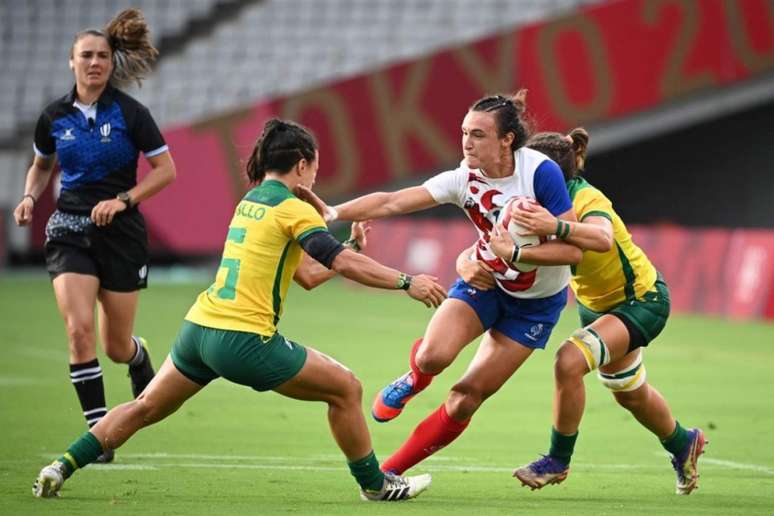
<point x="80" y="334"/>
<point x="463" y="401"/>
<point x="354" y="388"/>
<point x="431" y="360"/>
<point x="591" y="346"/>
<point x="569" y="364"/>
<point x="349" y="392"/>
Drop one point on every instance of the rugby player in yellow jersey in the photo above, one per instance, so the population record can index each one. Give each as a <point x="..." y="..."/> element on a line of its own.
<point x="623" y="304"/>
<point x="231" y="330"/>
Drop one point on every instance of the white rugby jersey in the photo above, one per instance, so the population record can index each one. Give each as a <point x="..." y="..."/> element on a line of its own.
<point x="482" y="198"/>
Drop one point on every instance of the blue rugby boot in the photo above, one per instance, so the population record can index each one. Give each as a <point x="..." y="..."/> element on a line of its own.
<point x="390" y="401"/>
<point x="685" y="463"/>
<point x="540" y="473"/>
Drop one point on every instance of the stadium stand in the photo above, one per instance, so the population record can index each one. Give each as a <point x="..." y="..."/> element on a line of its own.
<point x="301" y="41"/>
<point x="215" y="63"/>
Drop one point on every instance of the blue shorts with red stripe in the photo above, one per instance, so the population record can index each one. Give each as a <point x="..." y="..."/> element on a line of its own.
<point x="527" y="321"/>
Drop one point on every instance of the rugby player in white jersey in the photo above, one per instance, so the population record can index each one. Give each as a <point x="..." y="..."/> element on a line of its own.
<point x="517" y="317"/>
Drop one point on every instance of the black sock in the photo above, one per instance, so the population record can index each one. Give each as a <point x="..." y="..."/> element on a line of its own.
<point x="87" y="380"/>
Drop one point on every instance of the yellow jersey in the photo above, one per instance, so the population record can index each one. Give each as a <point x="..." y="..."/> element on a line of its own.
<point x="260" y="257"/>
<point x="603" y="280"/>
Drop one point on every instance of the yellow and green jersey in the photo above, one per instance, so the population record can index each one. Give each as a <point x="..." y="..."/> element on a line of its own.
<point x="260" y="256"/>
<point x="603" y="280"/>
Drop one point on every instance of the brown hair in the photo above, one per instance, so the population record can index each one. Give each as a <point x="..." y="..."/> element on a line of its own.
<point x="280" y="146"/>
<point x="129" y="38"/>
<point x="569" y="151"/>
<point x="509" y="112"/>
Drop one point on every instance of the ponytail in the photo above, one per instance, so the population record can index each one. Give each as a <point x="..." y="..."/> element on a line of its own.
<point x="580" y="145"/>
<point x="133" y="53"/>
<point x="568" y="151"/>
<point x="280" y="146"/>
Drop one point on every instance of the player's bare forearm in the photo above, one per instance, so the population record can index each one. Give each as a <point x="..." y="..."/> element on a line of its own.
<point x="554" y="252"/>
<point x="365" y="270"/>
<point x="311" y="273"/>
<point x="385" y="204"/>
<point x="594" y="234"/>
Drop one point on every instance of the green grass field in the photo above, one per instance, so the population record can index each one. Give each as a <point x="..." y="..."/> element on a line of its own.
<point x="233" y="451"/>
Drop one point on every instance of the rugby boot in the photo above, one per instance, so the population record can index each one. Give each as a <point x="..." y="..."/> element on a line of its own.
<point x="540" y="473"/>
<point x="49" y="481"/>
<point x="397" y="488"/>
<point x="685" y="463"/>
<point x="389" y="402"/>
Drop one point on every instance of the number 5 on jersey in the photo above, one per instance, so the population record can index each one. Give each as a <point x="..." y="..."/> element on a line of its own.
<point x="228" y="290"/>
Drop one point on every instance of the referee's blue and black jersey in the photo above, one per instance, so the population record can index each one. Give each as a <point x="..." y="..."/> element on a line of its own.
<point x="97" y="153"/>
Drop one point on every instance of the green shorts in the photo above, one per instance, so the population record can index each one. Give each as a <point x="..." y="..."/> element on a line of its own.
<point x="203" y="354"/>
<point x="644" y="317"/>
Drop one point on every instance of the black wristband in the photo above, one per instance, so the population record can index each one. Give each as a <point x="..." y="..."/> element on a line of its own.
<point x="516" y="254"/>
<point x="34" y="201"/>
<point x="404" y="281"/>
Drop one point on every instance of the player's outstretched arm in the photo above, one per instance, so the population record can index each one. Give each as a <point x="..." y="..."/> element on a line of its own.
<point x="371" y="273"/>
<point x="371" y="206"/>
<point x="385" y="204"/>
<point x="311" y="273"/>
<point x="595" y="233"/>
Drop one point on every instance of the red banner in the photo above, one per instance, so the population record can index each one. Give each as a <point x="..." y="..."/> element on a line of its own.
<point x="595" y="64"/>
<point x="709" y="271"/>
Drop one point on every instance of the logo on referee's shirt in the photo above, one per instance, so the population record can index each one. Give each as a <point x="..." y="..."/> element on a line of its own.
<point x="104" y="130"/>
<point x="68" y="135"/>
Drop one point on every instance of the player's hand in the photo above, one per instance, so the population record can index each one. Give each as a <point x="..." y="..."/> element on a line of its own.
<point x="426" y="289"/>
<point x="102" y="214"/>
<point x="476" y="274"/>
<point x="501" y="243"/>
<point x="535" y="219"/>
<point x="359" y="233"/>
<point x="23" y="212"/>
<point x="306" y="194"/>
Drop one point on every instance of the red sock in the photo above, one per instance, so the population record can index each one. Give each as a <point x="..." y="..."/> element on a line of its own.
<point x="432" y="434"/>
<point x="421" y="380"/>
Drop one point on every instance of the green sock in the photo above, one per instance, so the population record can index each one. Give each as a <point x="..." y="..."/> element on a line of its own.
<point x="676" y="442"/>
<point x="562" y="446"/>
<point x="367" y="473"/>
<point x="82" y="452"/>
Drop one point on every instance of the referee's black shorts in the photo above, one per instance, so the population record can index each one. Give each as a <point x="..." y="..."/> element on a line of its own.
<point x="117" y="254"/>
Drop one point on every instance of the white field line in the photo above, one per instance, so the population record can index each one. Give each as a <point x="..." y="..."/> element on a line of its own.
<point x="292" y="463"/>
<point x="737" y="465"/>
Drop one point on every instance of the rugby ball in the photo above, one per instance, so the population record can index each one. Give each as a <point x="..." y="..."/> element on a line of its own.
<point x="516" y="230"/>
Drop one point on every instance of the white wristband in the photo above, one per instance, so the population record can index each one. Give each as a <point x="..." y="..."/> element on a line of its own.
<point x="331" y="214"/>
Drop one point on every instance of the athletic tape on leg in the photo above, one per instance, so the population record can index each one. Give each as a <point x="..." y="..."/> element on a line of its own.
<point x="629" y="379"/>
<point x="591" y="345"/>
